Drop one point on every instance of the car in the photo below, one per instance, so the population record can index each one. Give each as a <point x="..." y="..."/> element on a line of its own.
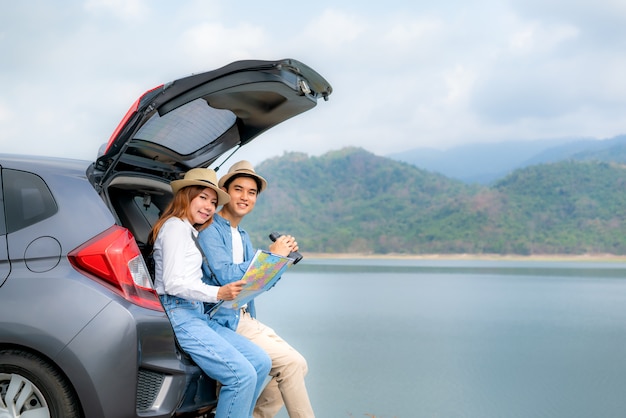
<point x="82" y="331"/>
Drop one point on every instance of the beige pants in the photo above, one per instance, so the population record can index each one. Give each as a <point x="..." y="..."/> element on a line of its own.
<point x="288" y="370"/>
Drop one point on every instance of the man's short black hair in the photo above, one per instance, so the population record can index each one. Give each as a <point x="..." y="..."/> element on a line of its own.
<point x="255" y="178"/>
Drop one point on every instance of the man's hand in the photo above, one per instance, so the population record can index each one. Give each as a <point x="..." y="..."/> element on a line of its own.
<point x="230" y="291"/>
<point x="284" y="245"/>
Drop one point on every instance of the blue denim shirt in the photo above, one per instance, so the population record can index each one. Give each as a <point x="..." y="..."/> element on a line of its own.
<point x="216" y="242"/>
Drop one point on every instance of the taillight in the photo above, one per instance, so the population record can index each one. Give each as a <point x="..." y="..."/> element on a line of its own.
<point x="114" y="257"/>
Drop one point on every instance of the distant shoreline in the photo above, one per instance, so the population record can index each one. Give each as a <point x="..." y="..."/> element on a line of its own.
<point x="490" y="257"/>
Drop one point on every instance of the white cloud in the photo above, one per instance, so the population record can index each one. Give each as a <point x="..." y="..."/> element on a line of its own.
<point x="459" y="81"/>
<point x="212" y="42"/>
<point x="5" y="113"/>
<point x="407" y="33"/>
<point x="333" y="29"/>
<point x="535" y="37"/>
<point x="122" y="9"/>
<point x="404" y="73"/>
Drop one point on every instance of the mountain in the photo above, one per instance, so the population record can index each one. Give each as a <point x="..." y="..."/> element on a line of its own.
<point x="568" y="207"/>
<point x="485" y="163"/>
<point x="608" y="150"/>
<point x="351" y="201"/>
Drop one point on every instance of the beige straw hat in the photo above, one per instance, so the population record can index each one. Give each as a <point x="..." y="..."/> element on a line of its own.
<point x="201" y="177"/>
<point x="242" y="167"/>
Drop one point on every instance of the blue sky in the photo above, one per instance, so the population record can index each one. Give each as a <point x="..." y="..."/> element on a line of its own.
<point x="405" y="74"/>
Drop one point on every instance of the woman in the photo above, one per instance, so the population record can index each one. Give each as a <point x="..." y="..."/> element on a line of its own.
<point x="238" y="364"/>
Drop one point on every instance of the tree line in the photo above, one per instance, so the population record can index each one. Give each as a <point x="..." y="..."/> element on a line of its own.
<point x="352" y="201"/>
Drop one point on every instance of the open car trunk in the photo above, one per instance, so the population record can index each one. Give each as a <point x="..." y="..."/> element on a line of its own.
<point x="190" y="123"/>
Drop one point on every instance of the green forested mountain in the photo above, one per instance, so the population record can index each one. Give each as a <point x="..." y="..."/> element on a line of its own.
<point x="566" y="207"/>
<point x="351" y="201"/>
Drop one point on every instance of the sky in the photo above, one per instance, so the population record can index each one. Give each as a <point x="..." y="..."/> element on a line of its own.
<point x="405" y="74"/>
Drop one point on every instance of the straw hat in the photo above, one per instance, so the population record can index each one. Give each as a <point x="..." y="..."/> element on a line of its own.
<point x="204" y="177"/>
<point x="242" y="167"/>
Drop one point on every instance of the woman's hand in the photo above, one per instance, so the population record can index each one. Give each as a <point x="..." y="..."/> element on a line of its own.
<point x="230" y="291"/>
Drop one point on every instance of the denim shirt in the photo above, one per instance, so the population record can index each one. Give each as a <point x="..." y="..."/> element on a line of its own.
<point x="217" y="244"/>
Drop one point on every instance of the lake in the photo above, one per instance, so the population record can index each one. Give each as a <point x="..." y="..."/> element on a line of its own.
<point x="467" y="339"/>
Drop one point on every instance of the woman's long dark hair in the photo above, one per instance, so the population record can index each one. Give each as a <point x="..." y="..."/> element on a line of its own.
<point x="179" y="208"/>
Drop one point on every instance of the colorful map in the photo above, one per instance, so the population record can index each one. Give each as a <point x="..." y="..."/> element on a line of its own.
<point x="264" y="271"/>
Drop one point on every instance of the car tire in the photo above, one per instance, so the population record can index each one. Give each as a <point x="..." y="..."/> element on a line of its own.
<point x="29" y="383"/>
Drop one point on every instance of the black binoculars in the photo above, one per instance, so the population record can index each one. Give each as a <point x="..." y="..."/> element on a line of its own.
<point x="294" y="255"/>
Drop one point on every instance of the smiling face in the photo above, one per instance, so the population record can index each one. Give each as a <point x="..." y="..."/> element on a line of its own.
<point x="202" y="207"/>
<point x="243" y="192"/>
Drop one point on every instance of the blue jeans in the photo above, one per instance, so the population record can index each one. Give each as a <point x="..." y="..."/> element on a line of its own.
<point x="238" y="364"/>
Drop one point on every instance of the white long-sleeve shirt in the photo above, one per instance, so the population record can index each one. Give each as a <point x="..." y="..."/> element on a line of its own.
<point x="178" y="263"/>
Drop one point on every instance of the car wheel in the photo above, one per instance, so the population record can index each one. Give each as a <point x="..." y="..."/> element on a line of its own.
<point x="29" y="386"/>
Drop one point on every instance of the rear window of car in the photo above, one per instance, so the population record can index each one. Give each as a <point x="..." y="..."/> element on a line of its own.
<point x="27" y="199"/>
<point x="196" y="124"/>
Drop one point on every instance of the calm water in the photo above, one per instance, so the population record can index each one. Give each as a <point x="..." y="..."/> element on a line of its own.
<point x="471" y="339"/>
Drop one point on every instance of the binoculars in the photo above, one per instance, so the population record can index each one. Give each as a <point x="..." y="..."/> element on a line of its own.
<point x="294" y="255"/>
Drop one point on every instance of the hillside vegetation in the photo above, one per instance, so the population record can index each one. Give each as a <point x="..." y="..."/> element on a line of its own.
<point x="351" y="201"/>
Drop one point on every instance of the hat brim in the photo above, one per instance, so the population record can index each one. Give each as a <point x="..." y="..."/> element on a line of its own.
<point x="222" y="196"/>
<point x="243" y="173"/>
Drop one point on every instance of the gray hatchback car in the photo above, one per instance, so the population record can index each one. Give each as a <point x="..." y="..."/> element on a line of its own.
<point x="82" y="331"/>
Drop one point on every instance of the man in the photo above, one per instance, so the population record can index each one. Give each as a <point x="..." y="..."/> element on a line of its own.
<point x="228" y="250"/>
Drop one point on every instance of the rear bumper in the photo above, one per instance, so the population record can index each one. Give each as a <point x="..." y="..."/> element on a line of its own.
<point x="144" y="373"/>
<point x="121" y="359"/>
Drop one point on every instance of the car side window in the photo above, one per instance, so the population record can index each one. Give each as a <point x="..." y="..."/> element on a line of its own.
<point x="5" y="265"/>
<point x="27" y="199"/>
<point x="3" y="225"/>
